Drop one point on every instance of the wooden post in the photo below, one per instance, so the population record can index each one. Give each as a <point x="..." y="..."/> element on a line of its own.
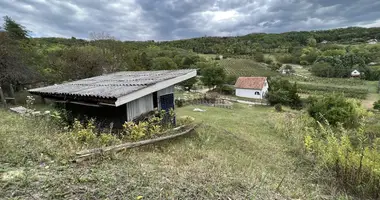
<point x="2" y="98"/>
<point x="12" y="94"/>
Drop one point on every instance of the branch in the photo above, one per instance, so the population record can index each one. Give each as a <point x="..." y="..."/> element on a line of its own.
<point x="83" y="155"/>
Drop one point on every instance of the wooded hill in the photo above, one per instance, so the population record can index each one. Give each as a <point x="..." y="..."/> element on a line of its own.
<point x="274" y="42"/>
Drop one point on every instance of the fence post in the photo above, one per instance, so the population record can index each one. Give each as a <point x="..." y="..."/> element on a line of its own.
<point x="2" y="98"/>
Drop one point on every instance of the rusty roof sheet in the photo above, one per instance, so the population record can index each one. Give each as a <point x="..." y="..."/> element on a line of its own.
<point x="112" y="85"/>
<point x="250" y="82"/>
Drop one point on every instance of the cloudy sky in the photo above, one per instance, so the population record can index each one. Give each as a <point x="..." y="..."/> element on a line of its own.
<point x="178" y="19"/>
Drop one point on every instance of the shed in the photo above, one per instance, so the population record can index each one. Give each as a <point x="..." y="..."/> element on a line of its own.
<point x="251" y="87"/>
<point x="117" y="97"/>
<point x="355" y="73"/>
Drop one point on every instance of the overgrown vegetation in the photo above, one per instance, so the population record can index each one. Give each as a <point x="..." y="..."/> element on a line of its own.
<point x="350" y="92"/>
<point x="351" y="156"/>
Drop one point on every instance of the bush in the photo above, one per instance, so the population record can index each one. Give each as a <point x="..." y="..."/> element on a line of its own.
<point x="258" y="56"/>
<point x="335" y="109"/>
<point x="285" y="58"/>
<point x="376" y="105"/>
<point x="184" y="120"/>
<point x="278" y="107"/>
<point x="227" y="90"/>
<point x="179" y="102"/>
<point x="275" y="66"/>
<point x="268" y="60"/>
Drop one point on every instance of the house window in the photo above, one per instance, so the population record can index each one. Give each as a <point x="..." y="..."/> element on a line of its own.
<point x="257" y="93"/>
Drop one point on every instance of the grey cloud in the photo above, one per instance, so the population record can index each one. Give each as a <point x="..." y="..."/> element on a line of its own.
<point x="177" y="19"/>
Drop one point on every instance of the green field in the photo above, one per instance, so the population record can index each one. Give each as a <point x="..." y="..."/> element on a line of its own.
<point x="245" y="67"/>
<point x="237" y="154"/>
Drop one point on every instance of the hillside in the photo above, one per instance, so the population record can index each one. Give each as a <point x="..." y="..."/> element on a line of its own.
<point x="229" y="157"/>
<point x="270" y="43"/>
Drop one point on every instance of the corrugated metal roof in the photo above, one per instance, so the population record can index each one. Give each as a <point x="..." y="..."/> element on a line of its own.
<point x="111" y="85"/>
<point x="250" y="82"/>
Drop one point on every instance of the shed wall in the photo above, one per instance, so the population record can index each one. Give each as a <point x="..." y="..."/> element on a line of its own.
<point x="139" y="106"/>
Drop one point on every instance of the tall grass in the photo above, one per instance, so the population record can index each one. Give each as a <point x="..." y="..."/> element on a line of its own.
<point x="352" y="157"/>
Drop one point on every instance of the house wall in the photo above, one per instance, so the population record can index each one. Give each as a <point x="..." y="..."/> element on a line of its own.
<point x="139" y="106"/>
<point x="250" y="93"/>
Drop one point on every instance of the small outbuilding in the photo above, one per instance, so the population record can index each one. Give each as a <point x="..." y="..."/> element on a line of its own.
<point x="117" y="97"/>
<point x="251" y="87"/>
<point x="355" y="73"/>
<point x="372" y="41"/>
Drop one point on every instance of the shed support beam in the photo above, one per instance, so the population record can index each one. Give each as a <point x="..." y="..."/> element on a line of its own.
<point x="2" y="98"/>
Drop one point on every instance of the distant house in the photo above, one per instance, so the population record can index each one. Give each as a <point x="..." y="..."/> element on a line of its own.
<point x="355" y="73"/>
<point x="324" y="42"/>
<point x="372" y="41"/>
<point x="118" y="97"/>
<point x="251" y="87"/>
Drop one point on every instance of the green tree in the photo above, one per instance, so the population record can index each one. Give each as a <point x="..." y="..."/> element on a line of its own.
<point x="213" y="76"/>
<point x="12" y="69"/>
<point x="283" y="92"/>
<point x="311" y="42"/>
<point x="14" y="29"/>
<point x="164" y="63"/>
<point x="188" y="84"/>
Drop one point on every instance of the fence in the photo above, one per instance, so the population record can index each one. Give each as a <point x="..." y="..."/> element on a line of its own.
<point x="220" y="103"/>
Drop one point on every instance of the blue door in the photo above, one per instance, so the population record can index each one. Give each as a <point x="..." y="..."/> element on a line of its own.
<point x="166" y="103"/>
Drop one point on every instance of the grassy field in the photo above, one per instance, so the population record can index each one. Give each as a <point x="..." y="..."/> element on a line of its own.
<point x="245" y="67"/>
<point x="237" y="154"/>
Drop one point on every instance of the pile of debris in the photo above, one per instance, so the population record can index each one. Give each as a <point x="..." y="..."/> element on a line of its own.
<point x="28" y="112"/>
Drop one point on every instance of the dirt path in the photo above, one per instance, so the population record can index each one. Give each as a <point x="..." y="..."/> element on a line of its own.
<point x="371" y="98"/>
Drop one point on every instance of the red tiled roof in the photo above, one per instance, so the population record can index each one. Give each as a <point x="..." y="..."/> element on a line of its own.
<point x="250" y="82"/>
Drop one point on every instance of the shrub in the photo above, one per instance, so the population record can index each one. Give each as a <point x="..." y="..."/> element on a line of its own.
<point x="179" y="102"/>
<point x="285" y="58"/>
<point x="227" y="90"/>
<point x="376" y="105"/>
<point x="278" y="107"/>
<point x="335" y="109"/>
<point x="184" y="120"/>
<point x="135" y="131"/>
<point x="268" y="60"/>
<point x="108" y="139"/>
<point x="259" y="57"/>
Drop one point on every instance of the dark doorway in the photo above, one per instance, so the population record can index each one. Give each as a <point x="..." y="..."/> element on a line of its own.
<point x="155" y="100"/>
<point x="167" y="102"/>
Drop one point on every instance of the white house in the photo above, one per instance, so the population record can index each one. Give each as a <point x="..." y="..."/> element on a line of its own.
<point x="324" y="42"/>
<point x="355" y="73"/>
<point x="251" y="87"/>
<point x="372" y="41"/>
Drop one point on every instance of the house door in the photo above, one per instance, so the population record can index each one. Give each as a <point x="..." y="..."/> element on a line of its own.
<point x="166" y="103"/>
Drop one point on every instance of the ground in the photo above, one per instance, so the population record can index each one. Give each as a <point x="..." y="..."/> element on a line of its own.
<point x="236" y="154"/>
